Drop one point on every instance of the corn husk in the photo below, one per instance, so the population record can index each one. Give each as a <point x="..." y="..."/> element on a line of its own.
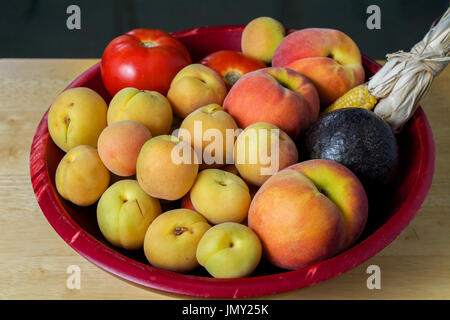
<point x="407" y="76"/>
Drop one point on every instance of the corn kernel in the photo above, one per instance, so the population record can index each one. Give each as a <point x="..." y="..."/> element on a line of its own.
<point x="358" y="97"/>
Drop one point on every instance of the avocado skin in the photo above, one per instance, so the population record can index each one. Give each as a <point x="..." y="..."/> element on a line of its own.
<point x="358" y="139"/>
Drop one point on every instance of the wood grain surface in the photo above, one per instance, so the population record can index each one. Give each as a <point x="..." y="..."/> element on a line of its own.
<point x="34" y="259"/>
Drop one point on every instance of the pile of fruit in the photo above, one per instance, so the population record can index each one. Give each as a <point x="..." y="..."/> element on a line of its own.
<point x="221" y="141"/>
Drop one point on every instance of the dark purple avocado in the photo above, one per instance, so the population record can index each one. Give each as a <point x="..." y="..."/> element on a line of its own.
<point x="358" y="139"/>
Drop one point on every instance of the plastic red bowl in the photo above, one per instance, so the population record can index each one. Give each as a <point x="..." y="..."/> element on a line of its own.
<point x="387" y="218"/>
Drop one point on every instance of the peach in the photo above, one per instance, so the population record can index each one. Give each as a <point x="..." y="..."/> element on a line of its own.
<point x="308" y="212"/>
<point x="206" y="130"/>
<point x="214" y="186"/>
<point x="171" y="240"/>
<point x="279" y="96"/>
<point x="124" y="213"/>
<point x="150" y="108"/>
<point x="81" y="176"/>
<point x="193" y="87"/>
<point x="257" y="142"/>
<point x="119" y="145"/>
<point x="77" y="117"/>
<point x="327" y="57"/>
<point x="261" y="37"/>
<point x="229" y="250"/>
<point x="159" y="171"/>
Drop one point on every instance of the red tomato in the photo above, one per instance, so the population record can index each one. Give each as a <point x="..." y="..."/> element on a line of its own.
<point x="146" y="59"/>
<point x="231" y="65"/>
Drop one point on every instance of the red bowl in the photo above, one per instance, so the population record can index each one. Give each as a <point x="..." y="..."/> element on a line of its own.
<point x="78" y="226"/>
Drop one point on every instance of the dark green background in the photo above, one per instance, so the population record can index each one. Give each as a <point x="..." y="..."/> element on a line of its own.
<point x="37" y="28"/>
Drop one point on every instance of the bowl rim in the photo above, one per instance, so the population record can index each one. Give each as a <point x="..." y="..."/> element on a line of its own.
<point x="151" y="277"/>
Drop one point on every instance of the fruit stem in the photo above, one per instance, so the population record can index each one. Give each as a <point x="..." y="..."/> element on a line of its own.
<point x="231" y="77"/>
<point x="179" y="230"/>
<point x="148" y="44"/>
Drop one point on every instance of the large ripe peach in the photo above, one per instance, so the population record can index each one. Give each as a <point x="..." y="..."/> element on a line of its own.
<point x="171" y="240"/>
<point x="166" y="167"/>
<point x="206" y="130"/>
<point x="342" y="187"/>
<point x="119" y="145"/>
<point x="150" y="108"/>
<point x="261" y="37"/>
<point x="81" y="177"/>
<point x="308" y="212"/>
<point x="259" y="152"/>
<point x="193" y="87"/>
<point x="229" y="250"/>
<point x="77" y="117"/>
<point x="327" y="57"/>
<point x="279" y="96"/>
<point x="124" y="213"/>
<point x="214" y="186"/>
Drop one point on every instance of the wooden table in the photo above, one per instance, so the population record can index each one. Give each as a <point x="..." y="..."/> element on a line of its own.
<point x="34" y="259"/>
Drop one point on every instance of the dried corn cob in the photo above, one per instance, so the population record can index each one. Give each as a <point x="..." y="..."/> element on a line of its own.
<point x="358" y="97"/>
<point x="407" y="76"/>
